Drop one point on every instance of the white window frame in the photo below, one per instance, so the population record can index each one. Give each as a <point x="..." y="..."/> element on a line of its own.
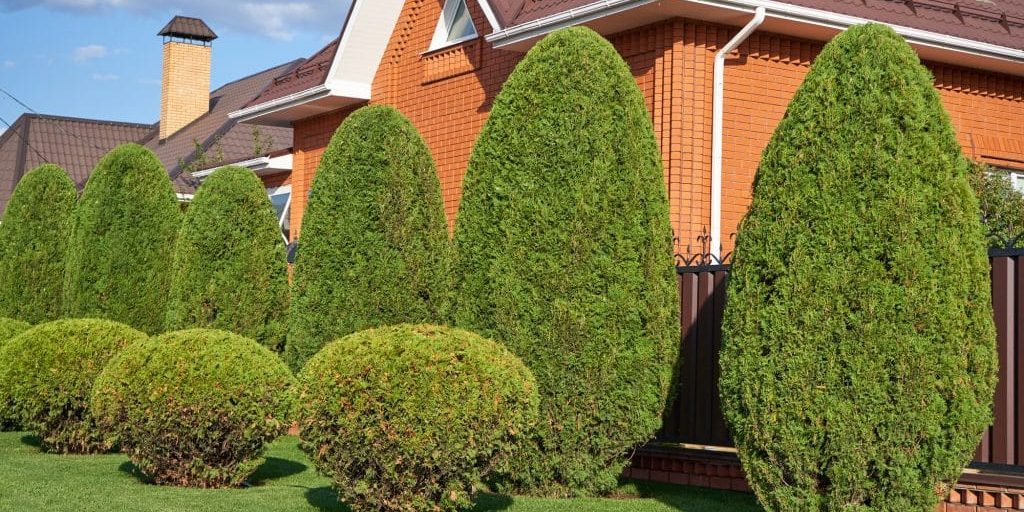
<point x="440" y="39"/>
<point x="277" y="191"/>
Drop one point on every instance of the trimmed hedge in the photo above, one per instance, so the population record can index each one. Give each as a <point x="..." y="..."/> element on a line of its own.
<point x="230" y="269"/>
<point x="49" y="375"/>
<point x="375" y="248"/>
<point x="409" y="418"/>
<point x="9" y="328"/>
<point x="33" y="242"/>
<point x="121" y="248"/>
<point x="565" y="250"/>
<point x="194" y="408"/>
<point x="1002" y="206"/>
<point x="859" y="361"/>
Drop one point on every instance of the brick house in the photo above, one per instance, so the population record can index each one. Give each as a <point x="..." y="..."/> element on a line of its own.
<point x="193" y="136"/>
<point x="442" y="62"/>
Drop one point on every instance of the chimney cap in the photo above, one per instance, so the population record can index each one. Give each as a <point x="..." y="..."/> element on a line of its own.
<point x="188" y="28"/>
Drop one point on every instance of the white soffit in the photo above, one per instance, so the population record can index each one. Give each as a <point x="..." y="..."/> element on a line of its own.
<point x="362" y="47"/>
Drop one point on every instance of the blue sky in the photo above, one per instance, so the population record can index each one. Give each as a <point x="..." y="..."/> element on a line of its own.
<point x="101" y="58"/>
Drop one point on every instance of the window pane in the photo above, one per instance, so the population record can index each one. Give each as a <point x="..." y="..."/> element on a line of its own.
<point x="461" y="23"/>
<point x="280" y="201"/>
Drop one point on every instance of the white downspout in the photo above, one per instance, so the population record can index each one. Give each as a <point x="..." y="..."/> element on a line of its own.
<point x="718" y="101"/>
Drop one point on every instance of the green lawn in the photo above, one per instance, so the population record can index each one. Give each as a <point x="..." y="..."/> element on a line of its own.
<point x="32" y="481"/>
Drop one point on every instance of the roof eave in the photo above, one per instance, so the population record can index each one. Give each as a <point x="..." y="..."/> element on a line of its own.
<point x="522" y="36"/>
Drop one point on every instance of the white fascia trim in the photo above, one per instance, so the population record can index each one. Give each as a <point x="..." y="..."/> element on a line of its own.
<point x="254" y="164"/>
<point x="184" y="197"/>
<point x="485" y="5"/>
<point x="282" y="103"/>
<point x="774" y="9"/>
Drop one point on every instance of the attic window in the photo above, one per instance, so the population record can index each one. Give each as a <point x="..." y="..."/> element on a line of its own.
<point x="455" y="25"/>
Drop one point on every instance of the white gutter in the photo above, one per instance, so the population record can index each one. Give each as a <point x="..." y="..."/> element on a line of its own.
<point x="284" y="102"/>
<point x="717" y="108"/>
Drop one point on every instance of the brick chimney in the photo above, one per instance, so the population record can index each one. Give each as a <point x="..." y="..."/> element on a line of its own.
<point x="186" y="84"/>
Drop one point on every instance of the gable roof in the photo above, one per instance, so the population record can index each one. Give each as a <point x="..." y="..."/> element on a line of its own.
<point x="997" y="22"/>
<point x="309" y="74"/>
<point x="220" y="138"/>
<point x="73" y="143"/>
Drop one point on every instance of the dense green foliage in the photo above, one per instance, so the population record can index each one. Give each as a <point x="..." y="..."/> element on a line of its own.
<point x="858" y="365"/>
<point x="375" y="248"/>
<point x="230" y="269"/>
<point x="9" y="328"/>
<point x="48" y="377"/>
<point x="194" y="408"/>
<point x="287" y="482"/>
<point x="33" y="243"/>
<point x="409" y="418"/>
<point x="1002" y="207"/>
<point x="564" y="246"/>
<point x="122" y="244"/>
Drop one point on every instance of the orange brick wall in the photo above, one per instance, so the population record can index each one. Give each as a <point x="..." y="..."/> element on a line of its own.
<point x="448" y="93"/>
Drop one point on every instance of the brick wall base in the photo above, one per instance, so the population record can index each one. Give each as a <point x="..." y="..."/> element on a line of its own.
<point x="977" y="491"/>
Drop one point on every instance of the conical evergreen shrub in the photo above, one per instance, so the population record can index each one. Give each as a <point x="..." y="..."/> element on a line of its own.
<point x="564" y="248"/>
<point x="374" y="249"/>
<point x="859" y="362"/>
<point x="33" y="243"/>
<point x="230" y="269"/>
<point x="119" y="254"/>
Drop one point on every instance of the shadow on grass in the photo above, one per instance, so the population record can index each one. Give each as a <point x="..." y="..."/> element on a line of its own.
<point x="324" y="498"/>
<point x="688" y="499"/>
<point x="486" y="502"/>
<point x="31" y="440"/>
<point x="131" y="470"/>
<point x="274" y="469"/>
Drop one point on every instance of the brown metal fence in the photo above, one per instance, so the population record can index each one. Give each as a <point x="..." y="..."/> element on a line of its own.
<point x="696" y="419"/>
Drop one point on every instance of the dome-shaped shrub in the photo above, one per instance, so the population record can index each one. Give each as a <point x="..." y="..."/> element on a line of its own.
<point x="33" y="243"/>
<point x="859" y="362"/>
<point x="408" y="418"/>
<point x="565" y="249"/>
<point x="121" y="247"/>
<point x="48" y="376"/>
<point x="194" y="408"/>
<point x="230" y="268"/>
<point x="8" y="330"/>
<point x="374" y="248"/>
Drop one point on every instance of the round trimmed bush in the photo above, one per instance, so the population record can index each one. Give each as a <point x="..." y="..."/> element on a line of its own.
<point x="375" y="248"/>
<point x="122" y="243"/>
<point x="858" y="362"/>
<point x="194" y="408"/>
<point x="230" y="268"/>
<point x="9" y="328"/>
<point x="48" y="378"/>
<point x="410" y="417"/>
<point x="33" y="244"/>
<point x="564" y="248"/>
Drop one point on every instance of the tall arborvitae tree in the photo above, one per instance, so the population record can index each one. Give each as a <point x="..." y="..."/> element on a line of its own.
<point x="374" y="248"/>
<point x="119" y="254"/>
<point x="858" y="365"/>
<point x="564" y="248"/>
<point x="230" y="267"/>
<point x="33" y="243"/>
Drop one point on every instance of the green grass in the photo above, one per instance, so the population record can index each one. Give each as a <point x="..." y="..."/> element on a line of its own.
<point x="30" y="481"/>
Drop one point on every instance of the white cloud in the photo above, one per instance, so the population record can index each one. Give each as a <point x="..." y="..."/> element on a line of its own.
<point x="105" y="77"/>
<point x="9" y="64"/>
<point x="278" y="19"/>
<point x="89" y="52"/>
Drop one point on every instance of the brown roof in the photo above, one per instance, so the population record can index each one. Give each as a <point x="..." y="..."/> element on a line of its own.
<point x="188" y="28"/>
<point x="309" y="74"/>
<point x="72" y="143"/>
<point x="220" y="138"/>
<point x="998" y="22"/>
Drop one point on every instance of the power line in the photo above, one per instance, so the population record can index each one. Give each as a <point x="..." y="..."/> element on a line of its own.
<point x="57" y="122"/>
<point x="24" y="140"/>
